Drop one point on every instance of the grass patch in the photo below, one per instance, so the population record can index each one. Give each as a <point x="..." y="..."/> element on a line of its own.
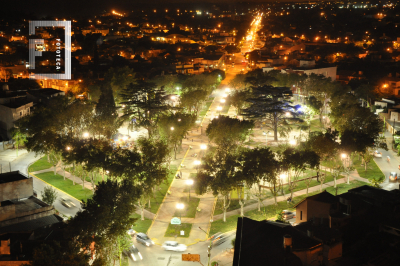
<point x="173" y="230"/>
<point x="160" y="194"/>
<point x="269" y="212"/>
<point x="316" y="125"/>
<point x="190" y="209"/>
<point x="373" y="170"/>
<point x="78" y="173"/>
<point x="66" y="185"/>
<point x="40" y="164"/>
<point x="233" y="206"/>
<point x="141" y="226"/>
<point x="343" y="188"/>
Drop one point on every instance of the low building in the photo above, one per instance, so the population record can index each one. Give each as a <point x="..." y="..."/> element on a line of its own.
<point x="273" y="243"/>
<point x="25" y="221"/>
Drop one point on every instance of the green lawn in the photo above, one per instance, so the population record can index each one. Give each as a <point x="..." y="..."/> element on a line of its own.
<point x="40" y="164"/>
<point x="160" y="194"/>
<point x="66" y="185"/>
<point x="372" y="169"/>
<point x="174" y="230"/>
<point x="233" y="205"/>
<point x="270" y="211"/>
<point x="141" y="226"/>
<point x="190" y="209"/>
<point x="78" y="169"/>
<point x="316" y="125"/>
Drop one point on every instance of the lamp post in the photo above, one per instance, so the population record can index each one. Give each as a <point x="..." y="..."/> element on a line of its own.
<point x="292" y="142"/>
<point x="209" y="247"/>
<point x="346" y="160"/>
<point x="180" y="207"/>
<point x="219" y="109"/>
<point x="189" y="182"/>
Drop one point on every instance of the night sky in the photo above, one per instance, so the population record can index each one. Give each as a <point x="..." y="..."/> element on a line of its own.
<point x="60" y="8"/>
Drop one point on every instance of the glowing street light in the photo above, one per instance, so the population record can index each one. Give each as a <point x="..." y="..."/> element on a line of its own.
<point x="180" y="207"/>
<point x="292" y="142"/>
<point x="68" y="148"/>
<point x="189" y="182"/>
<point x="222" y="100"/>
<point x="85" y="135"/>
<point x="172" y="128"/>
<point x="203" y="146"/>
<point x="219" y="108"/>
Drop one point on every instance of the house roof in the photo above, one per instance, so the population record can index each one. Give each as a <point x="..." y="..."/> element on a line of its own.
<point x="324" y="197"/>
<point x="262" y="241"/>
<point x="30" y="225"/>
<point x="12" y="177"/>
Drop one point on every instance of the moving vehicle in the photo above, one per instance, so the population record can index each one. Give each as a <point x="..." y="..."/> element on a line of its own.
<point x="133" y="253"/>
<point x="218" y="238"/>
<point x="378" y="154"/>
<point x="67" y="202"/>
<point x="287" y="215"/>
<point x="393" y="176"/>
<point x="174" y="246"/>
<point x="144" y="239"/>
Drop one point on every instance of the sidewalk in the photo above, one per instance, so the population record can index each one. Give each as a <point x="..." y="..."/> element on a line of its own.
<point x="77" y="180"/>
<point x="162" y="219"/>
<point x="11" y="154"/>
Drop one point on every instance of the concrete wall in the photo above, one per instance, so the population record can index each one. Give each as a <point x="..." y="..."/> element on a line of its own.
<point x="13" y="263"/>
<point x="311" y="209"/>
<point x="329" y="72"/>
<point x="16" y="190"/>
<point x="4" y="247"/>
<point x="30" y="215"/>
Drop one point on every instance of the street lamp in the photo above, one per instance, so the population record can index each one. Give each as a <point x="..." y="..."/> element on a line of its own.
<point x="209" y="247"/>
<point x="189" y="182"/>
<point x="203" y="147"/>
<point x="219" y="109"/>
<point x="292" y="142"/>
<point x="222" y="100"/>
<point x="180" y="207"/>
<point x="68" y="148"/>
<point x="85" y="135"/>
<point x="172" y="128"/>
<point x="197" y="163"/>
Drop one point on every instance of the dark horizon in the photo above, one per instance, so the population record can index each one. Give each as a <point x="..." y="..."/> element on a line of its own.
<point x="65" y="8"/>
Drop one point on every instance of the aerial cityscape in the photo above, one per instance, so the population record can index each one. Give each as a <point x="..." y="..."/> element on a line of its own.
<point x="215" y="133"/>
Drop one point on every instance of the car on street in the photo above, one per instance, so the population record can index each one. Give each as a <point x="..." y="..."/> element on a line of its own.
<point x="133" y="253"/>
<point x="393" y="176"/>
<point x="144" y="239"/>
<point x="218" y="238"/>
<point x="173" y="246"/>
<point x="378" y="154"/>
<point x="287" y="215"/>
<point x="67" y="203"/>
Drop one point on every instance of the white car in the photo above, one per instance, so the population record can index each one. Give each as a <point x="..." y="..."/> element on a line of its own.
<point x="174" y="246"/>
<point x="378" y="154"/>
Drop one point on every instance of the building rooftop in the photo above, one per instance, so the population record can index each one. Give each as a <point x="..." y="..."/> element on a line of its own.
<point x="12" y="177"/>
<point x="30" y="225"/>
<point x="17" y="102"/>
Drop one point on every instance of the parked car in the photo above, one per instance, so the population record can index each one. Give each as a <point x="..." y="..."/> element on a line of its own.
<point x="174" y="246"/>
<point x="378" y="154"/>
<point x="287" y="215"/>
<point x="393" y="176"/>
<point x="131" y="232"/>
<point x="67" y="202"/>
<point x="144" y="239"/>
<point x="133" y="253"/>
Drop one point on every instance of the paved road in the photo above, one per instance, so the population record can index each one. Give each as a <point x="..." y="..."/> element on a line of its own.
<point x="21" y="164"/>
<point x="157" y="256"/>
<point x="387" y="167"/>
